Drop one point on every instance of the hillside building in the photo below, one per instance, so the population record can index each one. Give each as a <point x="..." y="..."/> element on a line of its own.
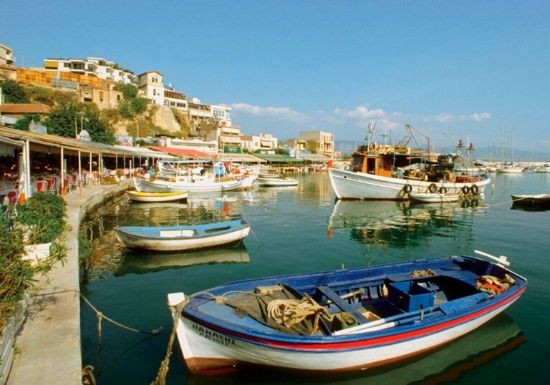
<point x="93" y="67"/>
<point x="318" y="142"/>
<point x="6" y="55"/>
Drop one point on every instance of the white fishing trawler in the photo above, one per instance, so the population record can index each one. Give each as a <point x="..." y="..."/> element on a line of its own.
<point x="393" y="172"/>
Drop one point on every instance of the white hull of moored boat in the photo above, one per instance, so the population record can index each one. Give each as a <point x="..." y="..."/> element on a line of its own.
<point x="181" y="244"/>
<point x="205" y="350"/>
<point x="275" y="182"/>
<point x="357" y="185"/>
<point x="197" y="186"/>
<point x="433" y="197"/>
<point x="152" y="197"/>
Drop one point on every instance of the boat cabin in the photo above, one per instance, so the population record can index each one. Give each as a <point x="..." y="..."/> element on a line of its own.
<point x="382" y="160"/>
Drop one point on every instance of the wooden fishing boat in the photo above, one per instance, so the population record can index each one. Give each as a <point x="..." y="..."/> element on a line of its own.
<point x="393" y="172"/>
<point x="343" y="320"/>
<point x="533" y="202"/>
<point x="150" y="197"/>
<point x="193" y="185"/>
<point x="172" y="238"/>
<point x="276" y="182"/>
<point x="427" y="197"/>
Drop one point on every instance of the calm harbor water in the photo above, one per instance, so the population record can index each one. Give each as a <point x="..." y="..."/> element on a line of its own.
<point x="303" y="229"/>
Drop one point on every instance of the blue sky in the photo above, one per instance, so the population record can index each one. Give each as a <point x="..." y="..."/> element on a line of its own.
<point x="477" y="70"/>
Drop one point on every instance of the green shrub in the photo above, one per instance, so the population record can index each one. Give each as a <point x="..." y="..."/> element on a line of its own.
<point x="44" y="216"/>
<point x="41" y="219"/>
<point x="15" y="273"/>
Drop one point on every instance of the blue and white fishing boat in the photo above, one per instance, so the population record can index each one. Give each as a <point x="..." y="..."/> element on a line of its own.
<point x="178" y="238"/>
<point x="342" y="320"/>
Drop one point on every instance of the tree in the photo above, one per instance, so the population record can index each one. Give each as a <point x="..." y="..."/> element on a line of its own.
<point x="132" y="103"/>
<point x="25" y="122"/>
<point x="63" y="120"/>
<point x="13" y="92"/>
<point x="68" y="119"/>
<point x="99" y="130"/>
<point x="129" y="91"/>
<point x="138" y="105"/>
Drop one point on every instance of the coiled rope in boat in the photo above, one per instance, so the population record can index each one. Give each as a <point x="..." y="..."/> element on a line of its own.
<point x="289" y="312"/>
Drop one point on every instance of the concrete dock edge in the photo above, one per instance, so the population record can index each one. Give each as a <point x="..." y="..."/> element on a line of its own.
<point x="48" y="347"/>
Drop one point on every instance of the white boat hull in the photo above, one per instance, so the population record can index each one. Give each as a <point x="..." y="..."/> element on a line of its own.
<point x="274" y="182"/>
<point x="192" y="187"/>
<point x="192" y="243"/>
<point x="356" y="185"/>
<point x="433" y="197"/>
<point x="205" y="349"/>
<point x="140" y="196"/>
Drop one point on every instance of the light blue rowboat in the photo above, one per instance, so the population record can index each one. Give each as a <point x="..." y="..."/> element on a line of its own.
<point x="172" y="238"/>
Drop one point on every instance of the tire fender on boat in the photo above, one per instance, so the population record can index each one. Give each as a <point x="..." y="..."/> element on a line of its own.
<point x="407" y="188"/>
<point x="432" y="188"/>
<point x="443" y="190"/>
<point x="474" y="189"/>
<point x="466" y="190"/>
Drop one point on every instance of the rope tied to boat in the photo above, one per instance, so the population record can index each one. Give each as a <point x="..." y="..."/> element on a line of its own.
<point x="289" y="312"/>
<point x="422" y="273"/>
<point x="160" y="379"/>
<point x="88" y="375"/>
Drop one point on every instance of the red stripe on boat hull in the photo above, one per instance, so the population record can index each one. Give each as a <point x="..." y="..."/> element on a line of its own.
<point x="366" y="343"/>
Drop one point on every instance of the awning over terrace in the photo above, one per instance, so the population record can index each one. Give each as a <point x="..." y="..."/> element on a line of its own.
<point x="182" y="152"/>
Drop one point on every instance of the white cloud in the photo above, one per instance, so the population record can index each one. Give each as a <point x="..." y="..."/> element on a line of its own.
<point x="445" y="117"/>
<point x="476" y="117"/>
<point x="359" y="116"/>
<point x="283" y="113"/>
<point x="440" y="118"/>
<point x="347" y="123"/>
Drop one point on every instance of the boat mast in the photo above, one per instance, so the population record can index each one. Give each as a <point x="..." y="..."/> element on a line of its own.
<point x="370" y="134"/>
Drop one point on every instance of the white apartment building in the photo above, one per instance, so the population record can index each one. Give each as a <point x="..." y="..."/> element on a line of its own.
<point x="150" y="85"/>
<point x="222" y="114"/>
<point x="175" y="99"/>
<point x="6" y="55"/>
<point x="199" y="111"/>
<point x="324" y="141"/>
<point x="91" y="66"/>
<point x="229" y="139"/>
<point x="109" y="70"/>
<point x="263" y="142"/>
<point x="209" y="147"/>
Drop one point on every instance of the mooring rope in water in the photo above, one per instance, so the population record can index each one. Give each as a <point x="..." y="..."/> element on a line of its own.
<point x="160" y="379"/>
<point x="87" y="372"/>
<point x="101" y="316"/>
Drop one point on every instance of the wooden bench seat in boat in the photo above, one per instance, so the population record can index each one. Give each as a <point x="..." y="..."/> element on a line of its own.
<point x="342" y="304"/>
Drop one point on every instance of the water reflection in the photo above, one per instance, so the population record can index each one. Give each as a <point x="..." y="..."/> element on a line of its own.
<point x="447" y="364"/>
<point x="401" y="223"/>
<point x="108" y="255"/>
<point x="139" y="261"/>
